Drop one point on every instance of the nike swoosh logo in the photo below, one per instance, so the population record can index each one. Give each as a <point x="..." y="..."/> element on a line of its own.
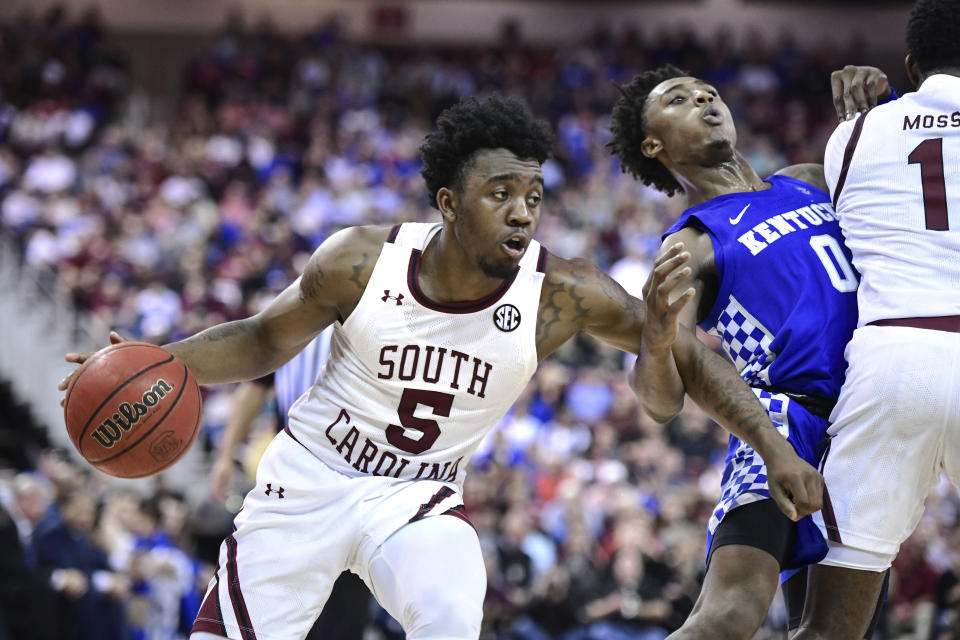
<point x="740" y="215"/>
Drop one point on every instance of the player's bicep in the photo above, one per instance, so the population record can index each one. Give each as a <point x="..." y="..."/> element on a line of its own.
<point x="578" y="297"/>
<point x="332" y="281"/>
<point x="291" y="320"/>
<point x="615" y="316"/>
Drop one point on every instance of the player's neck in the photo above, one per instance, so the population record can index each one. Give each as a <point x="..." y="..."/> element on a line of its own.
<point x="448" y="275"/>
<point x="705" y="183"/>
<point x="947" y="71"/>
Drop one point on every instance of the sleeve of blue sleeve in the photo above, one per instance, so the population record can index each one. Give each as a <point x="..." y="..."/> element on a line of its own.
<point x="893" y="96"/>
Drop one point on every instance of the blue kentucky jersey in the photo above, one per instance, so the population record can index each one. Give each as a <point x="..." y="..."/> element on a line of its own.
<point x="786" y="305"/>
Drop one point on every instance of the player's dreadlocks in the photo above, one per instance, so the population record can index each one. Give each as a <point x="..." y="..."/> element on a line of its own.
<point x="627" y="127"/>
<point x="472" y="125"/>
<point x="933" y="34"/>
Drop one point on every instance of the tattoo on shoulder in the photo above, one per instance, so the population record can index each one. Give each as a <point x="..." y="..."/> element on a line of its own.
<point x="358" y="270"/>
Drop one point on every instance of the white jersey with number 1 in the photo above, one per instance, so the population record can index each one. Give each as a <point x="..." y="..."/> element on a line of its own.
<point x="413" y="385"/>
<point x="895" y="178"/>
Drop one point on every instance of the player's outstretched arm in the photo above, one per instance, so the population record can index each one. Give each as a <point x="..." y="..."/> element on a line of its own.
<point x="654" y="377"/>
<point x="715" y="385"/>
<point x="577" y="296"/>
<point x="330" y="287"/>
<point x="683" y="270"/>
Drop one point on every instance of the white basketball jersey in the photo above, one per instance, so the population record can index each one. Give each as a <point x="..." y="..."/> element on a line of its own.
<point x="412" y="385"/>
<point x="895" y="178"/>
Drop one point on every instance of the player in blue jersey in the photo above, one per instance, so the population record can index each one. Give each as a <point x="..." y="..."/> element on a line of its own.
<point x="767" y="272"/>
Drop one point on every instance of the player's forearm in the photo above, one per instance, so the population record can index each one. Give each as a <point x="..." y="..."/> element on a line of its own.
<point x="230" y="352"/>
<point x="715" y="386"/>
<point x="658" y="384"/>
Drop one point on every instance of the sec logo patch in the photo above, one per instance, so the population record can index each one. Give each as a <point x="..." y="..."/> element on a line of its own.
<point x="506" y="317"/>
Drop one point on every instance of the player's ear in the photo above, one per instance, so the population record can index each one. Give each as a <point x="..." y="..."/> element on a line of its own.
<point x="913" y="70"/>
<point x="447" y="203"/>
<point x="651" y="146"/>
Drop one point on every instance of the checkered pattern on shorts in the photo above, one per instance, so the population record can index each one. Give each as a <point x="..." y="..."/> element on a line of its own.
<point x="747" y="341"/>
<point x="746" y="472"/>
<point x="776" y="405"/>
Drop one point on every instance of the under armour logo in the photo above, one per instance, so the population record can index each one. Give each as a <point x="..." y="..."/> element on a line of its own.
<point x="387" y="296"/>
<point x="270" y="490"/>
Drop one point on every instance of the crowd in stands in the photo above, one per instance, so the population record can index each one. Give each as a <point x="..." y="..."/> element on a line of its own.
<point x="591" y="516"/>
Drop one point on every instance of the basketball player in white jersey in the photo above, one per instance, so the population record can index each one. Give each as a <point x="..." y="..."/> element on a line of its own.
<point x="438" y="327"/>
<point x="344" y="617"/>
<point x="894" y="173"/>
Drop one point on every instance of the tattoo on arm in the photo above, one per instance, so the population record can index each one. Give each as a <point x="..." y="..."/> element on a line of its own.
<point x="220" y="332"/>
<point x="550" y="310"/>
<point x="719" y="389"/>
<point x="359" y="269"/>
<point x="549" y="313"/>
<point x="311" y="282"/>
<point x="580" y="312"/>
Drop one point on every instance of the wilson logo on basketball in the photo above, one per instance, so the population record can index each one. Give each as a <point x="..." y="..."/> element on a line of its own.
<point x="112" y="429"/>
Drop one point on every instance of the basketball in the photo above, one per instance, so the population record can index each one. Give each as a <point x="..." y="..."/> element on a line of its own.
<point x="132" y="409"/>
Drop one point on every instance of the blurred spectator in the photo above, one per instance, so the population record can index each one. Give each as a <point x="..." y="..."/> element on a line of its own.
<point x="65" y="542"/>
<point x="166" y="588"/>
<point x="33" y="600"/>
<point x="632" y="603"/>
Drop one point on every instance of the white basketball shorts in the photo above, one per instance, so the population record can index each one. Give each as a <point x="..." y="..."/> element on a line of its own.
<point x="895" y="428"/>
<point x="303" y="525"/>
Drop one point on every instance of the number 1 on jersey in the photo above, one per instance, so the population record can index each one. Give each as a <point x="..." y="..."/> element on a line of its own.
<point x="929" y="155"/>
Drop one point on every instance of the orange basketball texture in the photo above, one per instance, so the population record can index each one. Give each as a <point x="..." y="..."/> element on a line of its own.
<point x="132" y="409"/>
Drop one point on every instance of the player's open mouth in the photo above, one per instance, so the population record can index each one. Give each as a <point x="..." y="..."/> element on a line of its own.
<point x="515" y="245"/>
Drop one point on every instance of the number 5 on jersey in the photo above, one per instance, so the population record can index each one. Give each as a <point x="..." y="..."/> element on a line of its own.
<point x="429" y="429"/>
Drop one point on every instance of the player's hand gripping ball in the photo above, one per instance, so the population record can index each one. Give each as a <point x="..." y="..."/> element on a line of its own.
<point x="132" y="409"/>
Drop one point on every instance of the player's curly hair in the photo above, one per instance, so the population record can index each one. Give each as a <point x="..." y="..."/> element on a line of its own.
<point x="471" y="125"/>
<point x="627" y="127"/>
<point x="933" y="34"/>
